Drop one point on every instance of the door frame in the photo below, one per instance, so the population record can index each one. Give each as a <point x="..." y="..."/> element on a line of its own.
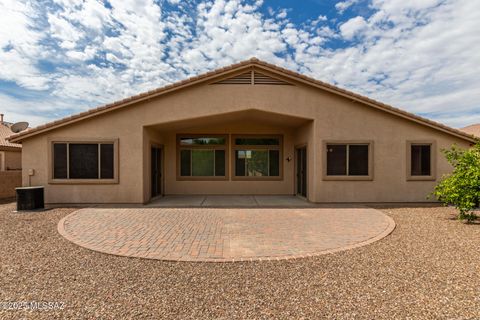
<point x="296" y="161"/>
<point x="162" y="170"/>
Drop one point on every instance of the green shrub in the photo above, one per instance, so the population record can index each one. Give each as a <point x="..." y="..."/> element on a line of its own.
<point x="461" y="188"/>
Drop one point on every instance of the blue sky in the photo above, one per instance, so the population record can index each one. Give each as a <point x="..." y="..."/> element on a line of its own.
<point x="59" y="57"/>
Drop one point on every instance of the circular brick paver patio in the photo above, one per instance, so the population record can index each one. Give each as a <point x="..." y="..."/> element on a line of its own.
<point x="213" y="234"/>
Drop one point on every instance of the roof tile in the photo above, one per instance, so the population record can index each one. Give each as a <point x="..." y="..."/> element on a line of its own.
<point x="473" y="129"/>
<point x="4" y="133"/>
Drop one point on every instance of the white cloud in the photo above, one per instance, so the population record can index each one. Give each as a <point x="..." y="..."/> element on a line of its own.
<point x="282" y="14"/>
<point x="87" y="54"/>
<point x="352" y="27"/>
<point x="36" y="111"/>
<point x="418" y="55"/>
<point x="62" y="29"/>
<point x="19" y="47"/>
<point x="320" y="18"/>
<point x="424" y="68"/>
<point x="344" y="5"/>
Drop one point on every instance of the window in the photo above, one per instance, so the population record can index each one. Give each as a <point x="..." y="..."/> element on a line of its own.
<point x="201" y="156"/>
<point x="83" y="161"/>
<point x="257" y="157"/>
<point x="420" y="160"/>
<point x="348" y="161"/>
<point x="199" y="141"/>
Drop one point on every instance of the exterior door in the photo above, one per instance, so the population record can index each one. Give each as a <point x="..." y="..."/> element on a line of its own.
<point x="156" y="171"/>
<point x="301" y="160"/>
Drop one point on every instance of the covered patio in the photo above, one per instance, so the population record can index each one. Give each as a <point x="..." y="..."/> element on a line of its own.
<point x="250" y="152"/>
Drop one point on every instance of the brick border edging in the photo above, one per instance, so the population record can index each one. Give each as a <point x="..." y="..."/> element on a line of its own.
<point x="388" y="230"/>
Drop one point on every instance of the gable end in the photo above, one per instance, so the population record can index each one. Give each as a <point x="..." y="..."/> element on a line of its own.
<point x="286" y="77"/>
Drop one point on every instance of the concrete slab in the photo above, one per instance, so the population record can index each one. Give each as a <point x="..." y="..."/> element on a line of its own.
<point x="178" y="201"/>
<point x="233" y="201"/>
<point x="230" y="201"/>
<point x="282" y="201"/>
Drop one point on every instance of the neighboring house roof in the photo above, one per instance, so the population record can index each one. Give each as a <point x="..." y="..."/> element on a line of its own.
<point x="473" y="129"/>
<point x="252" y="63"/>
<point x="4" y="133"/>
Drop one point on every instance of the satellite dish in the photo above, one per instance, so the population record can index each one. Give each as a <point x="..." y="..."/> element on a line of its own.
<point x="19" y="126"/>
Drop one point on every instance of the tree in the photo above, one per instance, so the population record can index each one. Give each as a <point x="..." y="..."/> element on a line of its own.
<point x="461" y="188"/>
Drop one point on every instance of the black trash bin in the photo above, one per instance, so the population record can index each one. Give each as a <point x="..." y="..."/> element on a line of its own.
<point x="30" y="198"/>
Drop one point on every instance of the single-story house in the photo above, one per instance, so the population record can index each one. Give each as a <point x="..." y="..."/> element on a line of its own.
<point x="10" y="162"/>
<point x="249" y="128"/>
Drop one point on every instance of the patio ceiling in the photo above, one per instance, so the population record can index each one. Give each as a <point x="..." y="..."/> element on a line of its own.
<point x="252" y="115"/>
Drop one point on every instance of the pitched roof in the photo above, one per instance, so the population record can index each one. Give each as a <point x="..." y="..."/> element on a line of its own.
<point x="4" y="133"/>
<point x="253" y="62"/>
<point x="473" y="129"/>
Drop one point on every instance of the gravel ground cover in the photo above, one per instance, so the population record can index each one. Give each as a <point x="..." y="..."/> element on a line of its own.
<point x="428" y="268"/>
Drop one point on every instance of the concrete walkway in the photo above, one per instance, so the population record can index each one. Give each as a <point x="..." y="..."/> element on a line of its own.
<point x="224" y="234"/>
<point x="224" y="201"/>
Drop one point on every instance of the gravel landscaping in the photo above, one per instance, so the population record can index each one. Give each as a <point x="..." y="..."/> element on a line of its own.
<point x="428" y="268"/>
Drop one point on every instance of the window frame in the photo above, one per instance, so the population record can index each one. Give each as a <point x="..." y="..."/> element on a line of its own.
<point x="433" y="160"/>
<point x="179" y="147"/>
<point x="348" y="177"/>
<point x="114" y="141"/>
<point x="278" y="147"/>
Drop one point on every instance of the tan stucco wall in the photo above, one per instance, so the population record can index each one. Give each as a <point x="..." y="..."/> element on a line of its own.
<point x="335" y="118"/>
<point x="119" y="125"/>
<point x="389" y="135"/>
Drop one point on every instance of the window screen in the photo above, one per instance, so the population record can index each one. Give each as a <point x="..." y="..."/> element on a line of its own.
<point x="106" y="161"/>
<point x="358" y="160"/>
<point x="420" y="160"/>
<point x="336" y="160"/>
<point x="60" y="161"/>
<point x="83" y="161"/>
<point x="240" y="163"/>
<point x="220" y="163"/>
<point x="274" y="163"/>
<point x="202" y="163"/>
<point x="185" y="163"/>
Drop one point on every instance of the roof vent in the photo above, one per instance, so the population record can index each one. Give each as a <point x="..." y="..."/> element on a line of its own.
<point x="260" y="78"/>
<point x="244" y="78"/>
<point x="253" y="78"/>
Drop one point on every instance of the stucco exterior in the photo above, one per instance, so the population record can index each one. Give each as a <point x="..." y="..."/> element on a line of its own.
<point x="302" y="114"/>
